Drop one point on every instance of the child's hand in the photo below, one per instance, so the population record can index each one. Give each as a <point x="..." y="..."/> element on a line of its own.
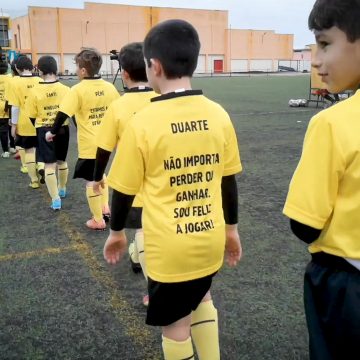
<point x="49" y="136"/>
<point x="115" y="246"/>
<point x="233" y="250"/>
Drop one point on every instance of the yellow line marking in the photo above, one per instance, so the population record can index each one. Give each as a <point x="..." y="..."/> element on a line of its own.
<point x="134" y="327"/>
<point x="41" y="252"/>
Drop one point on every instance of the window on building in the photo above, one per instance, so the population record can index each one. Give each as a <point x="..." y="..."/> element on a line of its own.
<point x="4" y="33"/>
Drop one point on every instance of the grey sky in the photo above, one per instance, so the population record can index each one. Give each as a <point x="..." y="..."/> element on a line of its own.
<point x="283" y="16"/>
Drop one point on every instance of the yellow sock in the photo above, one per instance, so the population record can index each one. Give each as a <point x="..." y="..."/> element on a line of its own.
<point x="139" y="249"/>
<point x="204" y="331"/>
<point x="31" y="165"/>
<point x="133" y="252"/>
<point x="22" y="155"/>
<point x="40" y="166"/>
<point x="51" y="183"/>
<point x="105" y="194"/>
<point x="177" y="350"/>
<point x="94" y="201"/>
<point x="63" y="173"/>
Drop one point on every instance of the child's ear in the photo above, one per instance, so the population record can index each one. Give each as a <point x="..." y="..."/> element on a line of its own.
<point x="157" y="67"/>
<point x="125" y="75"/>
<point x="83" y="72"/>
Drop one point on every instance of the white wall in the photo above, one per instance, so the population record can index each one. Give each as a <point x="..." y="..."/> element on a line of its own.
<point x="239" y="65"/>
<point x="261" y="65"/>
<point x="200" y="68"/>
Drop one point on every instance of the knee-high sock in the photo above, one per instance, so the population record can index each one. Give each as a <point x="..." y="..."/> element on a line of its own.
<point x="139" y="249"/>
<point x="63" y="173"/>
<point x="177" y="350"/>
<point x="51" y="183"/>
<point x="94" y="201"/>
<point x="105" y="195"/>
<point x="204" y="331"/>
<point x="31" y="165"/>
<point x="22" y="155"/>
<point x="133" y="252"/>
<point x="40" y="165"/>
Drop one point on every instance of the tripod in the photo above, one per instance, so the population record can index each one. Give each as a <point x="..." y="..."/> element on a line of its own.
<point x="122" y="81"/>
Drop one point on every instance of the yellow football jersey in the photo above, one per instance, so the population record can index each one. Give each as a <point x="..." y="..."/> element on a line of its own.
<point x="43" y="102"/>
<point x="177" y="150"/>
<point x="4" y="81"/>
<point x="117" y="117"/>
<point x="88" y="101"/>
<point x="19" y="90"/>
<point x="324" y="192"/>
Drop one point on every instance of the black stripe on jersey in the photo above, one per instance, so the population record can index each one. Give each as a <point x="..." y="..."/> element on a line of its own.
<point x="174" y="94"/>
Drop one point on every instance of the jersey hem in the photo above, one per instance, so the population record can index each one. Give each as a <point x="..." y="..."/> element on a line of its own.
<point x="299" y="215"/>
<point x="174" y="278"/>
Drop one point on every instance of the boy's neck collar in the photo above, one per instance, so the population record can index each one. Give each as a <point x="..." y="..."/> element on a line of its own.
<point x="95" y="77"/>
<point x="141" y="88"/>
<point x="49" y="81"/>
<point x="176" y="94"/>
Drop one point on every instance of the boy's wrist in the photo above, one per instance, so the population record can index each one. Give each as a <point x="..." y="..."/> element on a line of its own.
<point x="231" y="227"/>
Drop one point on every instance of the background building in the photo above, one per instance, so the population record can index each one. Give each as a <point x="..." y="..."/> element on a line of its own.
<point x="62" y="32"/>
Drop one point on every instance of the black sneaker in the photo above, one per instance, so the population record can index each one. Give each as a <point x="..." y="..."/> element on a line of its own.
<point x="41" y="176"/>
<point x="106" y="217"/>
<point x="136" y="267"/>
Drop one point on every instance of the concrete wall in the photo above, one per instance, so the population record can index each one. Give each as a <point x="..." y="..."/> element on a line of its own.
<point x="64" y="32"/>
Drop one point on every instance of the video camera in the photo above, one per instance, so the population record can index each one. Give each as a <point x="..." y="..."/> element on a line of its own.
<point x="114" y="55"/>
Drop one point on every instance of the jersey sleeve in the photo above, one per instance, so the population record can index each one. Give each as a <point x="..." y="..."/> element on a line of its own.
<point x="70" y="103"/>
<point x="127" y="170"/>
<point x="314" y="186"/>
<point x="107" y="136"/>
<point x="231" y="156"/>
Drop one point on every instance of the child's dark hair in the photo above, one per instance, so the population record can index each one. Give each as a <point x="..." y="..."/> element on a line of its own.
<point x="3" y="67"/>
<point x="24" y="63"/>
<point x="47" y="65"/>
<point x="344" y="14"/>
<point x="175" y="43"/>
<point x="90" y="59"/>
<point x="131" y="59"/>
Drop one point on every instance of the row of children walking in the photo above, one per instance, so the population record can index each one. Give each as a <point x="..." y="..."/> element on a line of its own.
<point x="177" y="155"/>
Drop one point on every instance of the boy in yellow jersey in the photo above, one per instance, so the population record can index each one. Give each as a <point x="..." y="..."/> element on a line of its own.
<point x="323" y="202"/>
<point x="11" y="75"/>
<point x="42" y="106"/>
<point x="4" y="112"/>
<point x="21" y="124"/>
<point x="182" y="151"/>
<point x="137" y="95"/>
<point x="17" y="150"/>
<point x="88" y="100"/>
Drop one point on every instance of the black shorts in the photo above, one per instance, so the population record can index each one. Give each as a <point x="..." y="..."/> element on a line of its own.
<point x="56" y="150"/>
<point x="4" y="125"/>
<point x="133" y="220"/>
<point x="84" y="169"/>
<point x="169" y="302"/>
<point x="26" y="142"/>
